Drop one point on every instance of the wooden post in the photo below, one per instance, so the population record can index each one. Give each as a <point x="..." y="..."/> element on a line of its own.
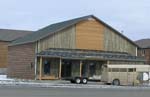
<point x="40" y="77"/>
<point x="60" y="66"/>
<point x="80" y="68"/>
<point x="108" y="62"/>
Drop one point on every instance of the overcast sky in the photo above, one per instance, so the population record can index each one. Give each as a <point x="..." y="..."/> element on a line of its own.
<point x="130" y="16"/>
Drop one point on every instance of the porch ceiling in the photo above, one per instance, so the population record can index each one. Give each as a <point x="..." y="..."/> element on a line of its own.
<point x="89" y="54"/>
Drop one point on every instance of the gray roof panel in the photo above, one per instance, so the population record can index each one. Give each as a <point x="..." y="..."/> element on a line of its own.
<point x="10" y="35"/>
<point x="47" y="31"/>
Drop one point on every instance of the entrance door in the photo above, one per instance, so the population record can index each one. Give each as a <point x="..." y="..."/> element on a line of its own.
<point x="70" y="68"/>
<point x="46" y="68"/>
<point x="85" y="70"/>
<point x="66" y="68"/>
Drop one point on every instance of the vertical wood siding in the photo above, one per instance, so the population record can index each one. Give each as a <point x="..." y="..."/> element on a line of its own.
<point x="62" y="39"/>
<point x="3" y="54"/>
<point x="114" y="42"/>
<point x="89" y="35"/>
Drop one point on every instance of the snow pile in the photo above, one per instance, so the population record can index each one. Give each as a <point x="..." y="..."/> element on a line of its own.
<point x="4" y="78"/>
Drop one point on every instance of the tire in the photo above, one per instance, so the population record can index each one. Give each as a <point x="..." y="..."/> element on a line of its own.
<point x="72" y="81"/>
<point x="78" y="80"/>
<point x="84" y="80"/>
<point x="116" y="82"/>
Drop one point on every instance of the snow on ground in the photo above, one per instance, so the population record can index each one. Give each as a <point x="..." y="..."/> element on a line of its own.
<point x="4" y="81"/>
<point x="4" y="78"/>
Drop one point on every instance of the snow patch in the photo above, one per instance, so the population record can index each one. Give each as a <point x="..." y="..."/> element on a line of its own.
<point x="4" y="78"/>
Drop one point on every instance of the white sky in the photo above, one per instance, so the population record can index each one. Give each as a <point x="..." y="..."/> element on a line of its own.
<point x="130" y="16"/>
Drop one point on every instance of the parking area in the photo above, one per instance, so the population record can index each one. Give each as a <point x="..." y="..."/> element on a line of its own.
<point x="61" y="84"/>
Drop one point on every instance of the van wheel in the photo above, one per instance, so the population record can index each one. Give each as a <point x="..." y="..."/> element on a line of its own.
<point x="72" y="81"/>
<point x="84" y="80"/>
<point x="78" y="80"/>
<point x="116" y="82"/>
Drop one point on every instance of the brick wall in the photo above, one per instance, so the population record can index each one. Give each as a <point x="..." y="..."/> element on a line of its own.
<point x="21" y="61"/>
<point x="145" y="53"/>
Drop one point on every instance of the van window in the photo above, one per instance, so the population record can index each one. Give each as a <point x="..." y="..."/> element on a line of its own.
<point x="123" y="69"/>
<point x="115" y="70"/>
<point x="131" y="69"/>
<point x="109" y="69"/>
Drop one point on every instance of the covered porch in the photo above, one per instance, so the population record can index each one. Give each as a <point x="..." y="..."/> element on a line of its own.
<point x="58" y="68"/>
<point x="65" y="63"/>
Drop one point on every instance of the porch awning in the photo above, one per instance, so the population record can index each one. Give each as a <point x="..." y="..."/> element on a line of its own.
<point x="89" y="54"/>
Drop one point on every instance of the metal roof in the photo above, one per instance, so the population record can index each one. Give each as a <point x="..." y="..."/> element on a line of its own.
<point x="89" y="54"/>
<point x="10" y="35"/>
<point x="143" y="43"/>
<point x="44" y="32"/>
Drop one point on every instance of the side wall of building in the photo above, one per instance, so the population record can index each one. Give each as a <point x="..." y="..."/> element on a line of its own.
<point x="21" y="60"/>
<point x="89" y="34"/>
<point x="84" y="35"/>
<point x="114" y="42"/>
<point x="145" y="53"/>
<point x="62" y="39"/>
<point x="3" y="56"/>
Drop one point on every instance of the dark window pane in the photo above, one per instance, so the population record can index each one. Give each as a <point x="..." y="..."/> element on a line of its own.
<point x="123" y="70"/>
<point x="115" y="70"/>
<point x="131" y="70"/>
<point x="109" y="69"/>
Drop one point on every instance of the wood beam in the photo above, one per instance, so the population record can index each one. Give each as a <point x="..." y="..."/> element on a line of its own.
<point x="40" y="76"/>
<point x="108" y="62"/>
<point x="60" y="67"/>
<point x="80" y="68"/>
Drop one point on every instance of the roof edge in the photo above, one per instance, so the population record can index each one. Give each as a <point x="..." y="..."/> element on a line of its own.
<point x="82" y="19"/>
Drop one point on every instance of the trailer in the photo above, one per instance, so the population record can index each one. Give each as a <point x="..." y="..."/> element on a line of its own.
<point x="77" y="79"/>
<point x="125" y="74"/>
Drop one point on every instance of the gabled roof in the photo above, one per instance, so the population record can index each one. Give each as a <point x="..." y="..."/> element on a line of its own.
<point x="143" y="43"/>
<point x="44" y="32"/>
<point x="10" y="35"/>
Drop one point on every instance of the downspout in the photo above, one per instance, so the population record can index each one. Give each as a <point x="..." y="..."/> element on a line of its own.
<point x="136" y="51"/>
<point x="35" y="65"/>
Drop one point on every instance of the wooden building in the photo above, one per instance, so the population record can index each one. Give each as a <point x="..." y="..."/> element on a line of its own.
<point x="6" y="36"/>
<point x="144" y="49"/>
<point x="77" y="47"/>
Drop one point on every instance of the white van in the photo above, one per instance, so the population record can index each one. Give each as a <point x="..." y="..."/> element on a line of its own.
<point x="125" y="74"/>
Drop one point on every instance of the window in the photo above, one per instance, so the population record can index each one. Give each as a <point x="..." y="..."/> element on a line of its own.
<point x="109" y="69"/>
<point x="123" y="69"/>
<point x="115" y="69"/>
<point x="131" y="69"/>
